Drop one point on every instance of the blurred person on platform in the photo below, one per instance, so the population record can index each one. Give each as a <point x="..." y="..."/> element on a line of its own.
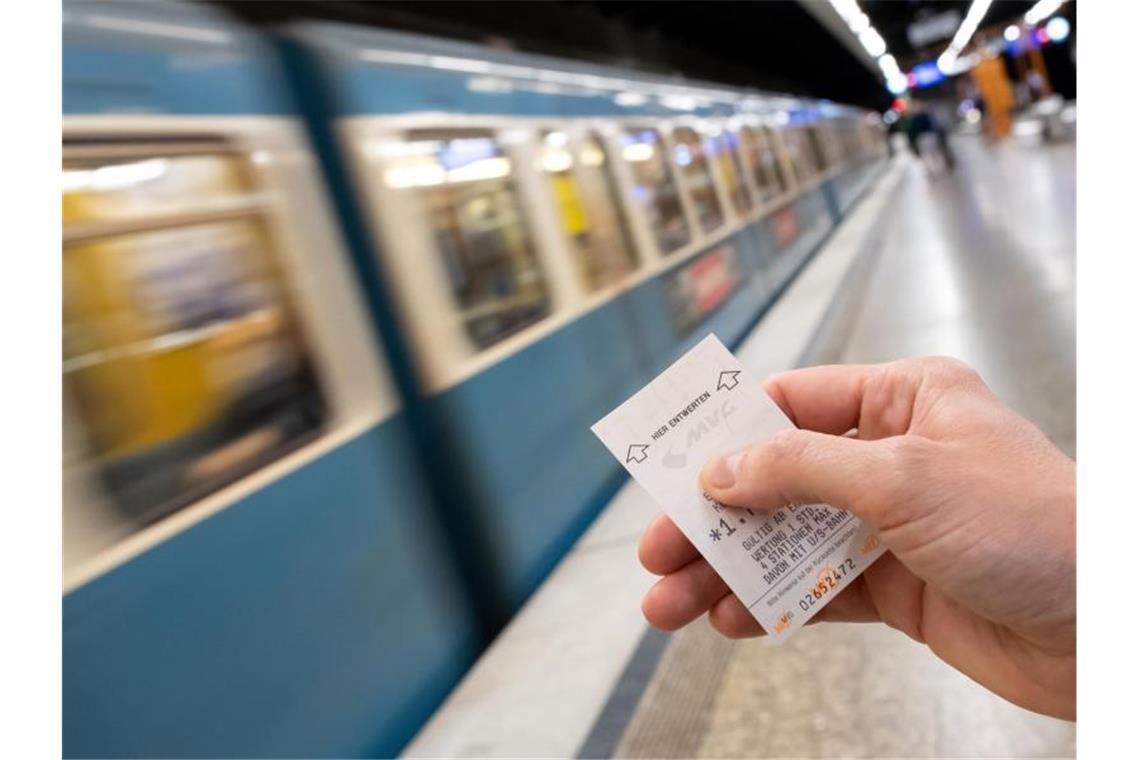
<point x="918" y="120"/>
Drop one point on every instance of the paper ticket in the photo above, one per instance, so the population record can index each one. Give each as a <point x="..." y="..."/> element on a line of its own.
<point x="783" y="565"/>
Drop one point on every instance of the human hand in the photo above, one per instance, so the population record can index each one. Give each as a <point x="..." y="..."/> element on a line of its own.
<point x="976" y="506"/>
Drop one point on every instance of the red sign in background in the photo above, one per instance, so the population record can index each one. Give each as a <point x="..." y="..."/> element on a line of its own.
<point x="784" y="226"/>
<point x="697" y="289"/>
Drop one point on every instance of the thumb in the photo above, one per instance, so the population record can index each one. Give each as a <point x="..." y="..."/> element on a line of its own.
<point x="805" y="467"/>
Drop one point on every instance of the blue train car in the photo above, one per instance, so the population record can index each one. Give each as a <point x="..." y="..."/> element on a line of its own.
<point x="540" y="237"/>
<point x="306" y="479"/>
<point x="251" y="563"/>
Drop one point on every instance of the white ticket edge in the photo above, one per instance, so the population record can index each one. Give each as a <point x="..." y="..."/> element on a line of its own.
<point x="786" y="565"/>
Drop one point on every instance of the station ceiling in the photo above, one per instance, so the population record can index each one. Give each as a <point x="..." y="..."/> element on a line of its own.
<point x="767" y="44"/>
<point x="893" y="17"/>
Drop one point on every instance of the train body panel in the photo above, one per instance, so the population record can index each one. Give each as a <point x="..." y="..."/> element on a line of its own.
<point x="374" y="71"/>
<point x="291" y="594"/>
<point x="538" y="478"/>
<point x="314" y="618"/>
<point x="530" y="241"/>
<point x="502" y="410"/>
<point x="535" y="487"/>
<point x="167" y="59"/>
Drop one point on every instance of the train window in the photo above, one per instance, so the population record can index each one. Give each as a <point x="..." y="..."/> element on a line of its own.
<point x="750" y="150"/>
<point x="771" y="160"/>
<point x="654" y="189"/>
<point x="689" y="154"/>
<point x="588" y="207"/>
<point x="756" y="147"/>
<point x="723" y="147"/>
<point x="148" y="185"/>
<point x="464" y="180"/>
<point x="799" y="152"/>
<point x="819" y="156"/>
<point x="182" y="357"/>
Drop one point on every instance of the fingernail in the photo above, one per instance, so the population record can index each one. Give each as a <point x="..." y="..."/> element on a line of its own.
<point x="722" y="471"/>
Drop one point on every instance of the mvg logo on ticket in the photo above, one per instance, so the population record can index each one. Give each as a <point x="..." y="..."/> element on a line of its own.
<point x="784" y="565"/>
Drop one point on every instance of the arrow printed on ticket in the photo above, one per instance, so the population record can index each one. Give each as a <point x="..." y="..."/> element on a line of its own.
<point x="786" y="565"/>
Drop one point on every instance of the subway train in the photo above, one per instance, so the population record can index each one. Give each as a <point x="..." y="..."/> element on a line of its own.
<point x="339" y="307"/>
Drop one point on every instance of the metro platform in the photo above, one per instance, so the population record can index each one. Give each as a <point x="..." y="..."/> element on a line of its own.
<point x="978" y="264"/>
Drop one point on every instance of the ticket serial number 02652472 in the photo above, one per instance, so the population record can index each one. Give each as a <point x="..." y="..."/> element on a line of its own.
<point x="830" y="578"/>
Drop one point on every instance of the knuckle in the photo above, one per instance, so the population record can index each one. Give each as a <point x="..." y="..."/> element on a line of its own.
<point x="724" y="622"/>
<point x="907" y="464"/>
<point x="951" y="369"/>
<point x="787" y="445"/>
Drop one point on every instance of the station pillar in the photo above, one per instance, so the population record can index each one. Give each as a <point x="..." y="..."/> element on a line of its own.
<point x="992" y="81"/>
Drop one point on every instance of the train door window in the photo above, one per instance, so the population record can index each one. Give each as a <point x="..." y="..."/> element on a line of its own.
<point x="723" y="147"/>
<point x="464" y="181"/>
<point x="818" y="156"/>
<point x="797" y="148"/>
<point x="654" y="189"/>
<point x="837" y="145"/>
<point x="690" y="156"/>
<point x="764" y="174"/>
<point x="588" y="207"/>
<point x="771" y="160"/>
<point x="843" y="148"/>
<point x="183" y="360"/>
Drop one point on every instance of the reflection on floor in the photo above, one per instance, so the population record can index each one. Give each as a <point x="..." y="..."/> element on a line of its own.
<point x="977" y="265"/>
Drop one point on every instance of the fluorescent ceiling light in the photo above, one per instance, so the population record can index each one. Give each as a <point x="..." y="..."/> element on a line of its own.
<point x="1043" y="10"/>
<point x="1057" y="29"/>
<point x="859" y="24"/>
<point x="872" y="42"/>
<point x="962" y="37"/>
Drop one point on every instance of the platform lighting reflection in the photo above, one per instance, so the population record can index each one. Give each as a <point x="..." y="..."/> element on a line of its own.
<point x="468" y="65"/>
<point x="380" y="149"/>
<point x="114" y="176"/>
<point x="630" y="99"/>
<point x="1028" y="128"/>
<point x="489" y="84"/>
<point x="679" y="103"/>
<point x="158" y="29"/>
<point x="445" y="163"/>
<point x="555" y="159"/>
<point x="591" y="155"/>
<point x="638" y="151"/>
<point x="421" y="173"/>
<point x="543" y="79"/>
<point x="1012" y="33"/>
